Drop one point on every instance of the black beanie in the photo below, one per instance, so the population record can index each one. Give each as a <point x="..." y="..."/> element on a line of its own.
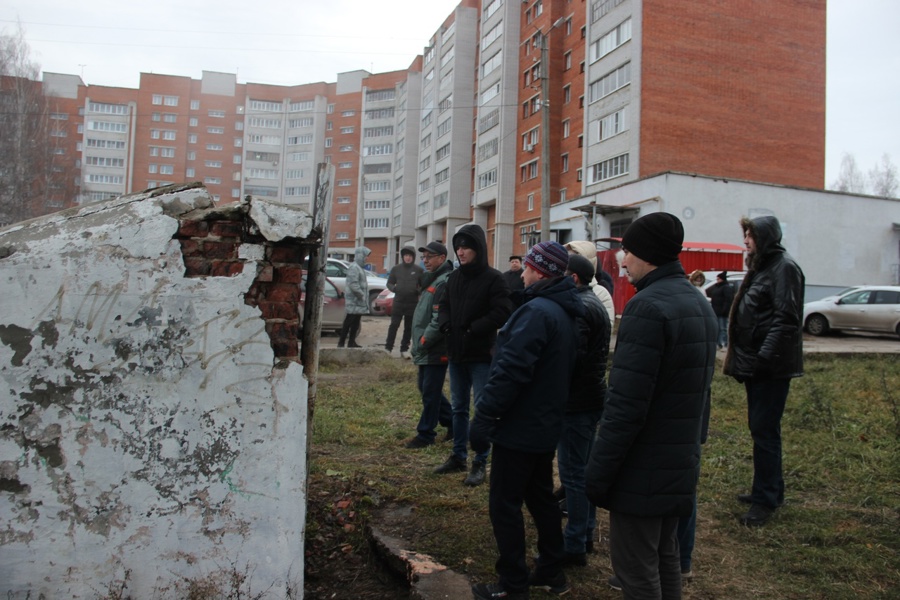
<point x="581" y="267"/>
<point x="655" y="238"/>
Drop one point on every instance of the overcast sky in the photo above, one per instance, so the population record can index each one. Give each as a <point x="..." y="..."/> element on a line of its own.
<point x="287" y="43"/>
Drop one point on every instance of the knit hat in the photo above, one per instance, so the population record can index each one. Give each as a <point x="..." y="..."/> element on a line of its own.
<point x="582" y="267"/>
<point x="723" y="275"/>
<point x="463" y="241"/>
<point x="549" y="258"/>
<point x="655" y="238"/>
<point x="407" y="250"/>
<point x="434" y="248"/>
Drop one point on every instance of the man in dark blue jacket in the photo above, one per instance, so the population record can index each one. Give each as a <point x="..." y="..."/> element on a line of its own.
<point x="521" y="413"/>
<point x="645" y="460"/>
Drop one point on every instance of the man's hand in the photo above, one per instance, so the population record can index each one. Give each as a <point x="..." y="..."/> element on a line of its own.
<point x="480" y="433"/>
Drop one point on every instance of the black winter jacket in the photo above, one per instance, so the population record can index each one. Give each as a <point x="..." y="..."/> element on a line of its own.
<point x="588" y="389"/>
<point x="645" y="460"/>
<point x="765" y="331"/>
<point x="721" y="295"/>
<point x="405" y="280"/>
<point x="475" y="304"/>
<point x="530" y="375"/>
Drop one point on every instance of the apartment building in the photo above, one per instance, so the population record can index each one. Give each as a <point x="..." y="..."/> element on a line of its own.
<point x="634" y="88"/>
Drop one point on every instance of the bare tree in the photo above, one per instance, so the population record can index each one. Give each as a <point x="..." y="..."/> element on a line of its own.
<point x="850" y="178"/>
<point x="27" y="173"/>
<point x="883" y="178"/>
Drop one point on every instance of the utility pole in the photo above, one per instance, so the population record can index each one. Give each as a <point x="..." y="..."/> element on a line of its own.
<point x="545" y="131"/>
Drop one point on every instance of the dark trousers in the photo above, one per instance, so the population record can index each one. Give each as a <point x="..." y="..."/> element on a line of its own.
<point x="644" y="552"/>
<point x="400" y="313"/>
<point x="765" y="406"/>
<point x="435" y="406"/>
<point x="350" y="327"/>
<point x="686" y="532"/>
<point x="518" y="477"/>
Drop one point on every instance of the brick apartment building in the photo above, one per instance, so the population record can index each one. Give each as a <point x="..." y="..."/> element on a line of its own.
<point x="636" y="88"/>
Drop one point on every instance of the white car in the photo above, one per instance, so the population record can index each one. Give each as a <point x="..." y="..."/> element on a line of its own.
<point x="336" y="271"/>
<point x="863" y="308"/>
<point x="735" y="278"/>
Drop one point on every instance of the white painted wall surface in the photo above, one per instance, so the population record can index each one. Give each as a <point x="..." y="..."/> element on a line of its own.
<point x="145" y="436"/>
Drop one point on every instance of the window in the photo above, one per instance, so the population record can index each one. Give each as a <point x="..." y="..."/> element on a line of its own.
<point x="263" y="123"/>
<point x="262" y="173"/>
<point x="156" y="99"/>
<point x="381" y="113"/>
<point x="370" y="132"/>
<point x="442" y="152"/>
<point x="568" y="60"/>
<point x="298" y="190"/>
<point x="166" y="169"/>
<point x="447" y="56"/>
<point x="610" y="82"/>
<point x="104" y="161"/>
<point x="195" y="105"/>
<point x="192" y="122"/>
<point x="530" y="202"/>
<point x="607" y="169"/>
<point x="564" y="163"/>
<point x="238" y="142"/>
<point x="611" y="40"/>
<point x="343" y="200"/>
<point x="492" y="35"/>
<point x="488" y="149"/>
<point x="170" y="118"/>
<point x="329" y="142"/>
<point x="265" y="106"/>
<point x="489" y="94"/>
<point x="346" y="130"/>
<point x="426" y="141"/>
<point x="424" y="163"/>
<point x="236" y="159"/>
<point x="156" y="117"/>
<point x="215" y="130"/>
<point x="304" y="122"/>
<point x="492" y="7"/>
<point x="98" y="178"/>
<point x="424" y="185"/>
<point x="152" y="168"/>
<point x="377" y="204"/>
<point x="343" y="217"/>
<point x="99" y="107"/>
<point x="530" y="139"/>
<point x="444" y="127"/>
<point x="567" y="94"/>
<point x="213" y="164"/>
<point x="212" y="180"/>
<point x="344" y="183"/>
<point x="295" y="140"/>
<point x="298" y="156"/>
<point x="608" y="126"/>
<point x="168" y="134"/>
<point x="442" y="175"/>
<point x="492" y="119"/>
<point x="379" y="223"/>
<point x="378" y="149"/>
<point x="440" y="200"/>
<point x="377" y="186"/>
<point x="380" y="95"/>
<point x="348" y="113"/>
<point x="566" y="128"/>
<point x="487" y="179"/>
<point x="491" y="64"/>
<point x="529" y="170"/>
<point x="601" y="7"/>
<point x="170" y="100"/>
<point x="111" y="144"/>
<point x="345" y="165"/>
<point x="214" y="146"/>
<point x="216" y="114"/>
<point x="112" y="126"/>
<point x="167" y="152"/>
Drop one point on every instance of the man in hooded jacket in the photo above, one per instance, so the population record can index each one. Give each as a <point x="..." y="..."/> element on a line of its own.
<point x="645" y="459"/>
<point x="765" y="353"/>
<point x="405" y="280"/>
<point x="521" y="412"/>
<point x="474" y="306"/>
<point x="356" y="297"/>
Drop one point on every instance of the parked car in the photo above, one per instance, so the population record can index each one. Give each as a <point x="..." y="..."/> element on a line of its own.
<point x="863" y="308"/>
<point x="735" y="278"/>
<point x="332" y="305"/>
<point x="384" y="303"/>
<point x="336" y="271"/>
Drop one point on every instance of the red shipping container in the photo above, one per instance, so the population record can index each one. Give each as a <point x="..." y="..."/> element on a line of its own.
<point x="705" y="256"/>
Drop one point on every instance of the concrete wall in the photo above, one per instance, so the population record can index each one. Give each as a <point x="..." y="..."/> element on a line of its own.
<point x="152" y="418"/>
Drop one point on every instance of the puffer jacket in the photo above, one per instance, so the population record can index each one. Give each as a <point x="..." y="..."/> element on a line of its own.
<point x="588" y="388"/>
<point x="604" y="294"/>
<point x="429" y="346"/>
<point x="765" y="329"/>
<point x="405" y="281"/>
<point x="525" y="395"/>
<point x="356" y="286"/>
<point x="475" y="304"/>
<point x="645" y="459"/>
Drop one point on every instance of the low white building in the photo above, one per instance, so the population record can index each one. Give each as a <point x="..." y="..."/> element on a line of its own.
<point x="838" y="239"/>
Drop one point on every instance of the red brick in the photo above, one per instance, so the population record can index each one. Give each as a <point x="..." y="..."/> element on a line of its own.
<point x="226" y="268"/>
<point x="287" y="311"/>
<point x="196" y="267"/>
<point x="232" y="229"/>
<point x="283" y="292"/>
<point x="292" y="274"/>
<point x="265" y="274"/>
<point x="219" y="250"/>
<point x="192" y="229"/>
<point x="292" y="254"/>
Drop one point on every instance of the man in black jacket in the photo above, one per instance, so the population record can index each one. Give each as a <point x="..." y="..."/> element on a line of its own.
<point x="521" y="412"/>
<point x="405" y="280"/>
<point x="583" y="409"/>
<point x="721" y="295"/>
<point x="765" y="353"/>
<point x="474" y="305"/>
<point x="645" y="460"/>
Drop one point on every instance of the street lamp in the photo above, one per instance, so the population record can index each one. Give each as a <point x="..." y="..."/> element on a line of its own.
<point x="545" y="132"/>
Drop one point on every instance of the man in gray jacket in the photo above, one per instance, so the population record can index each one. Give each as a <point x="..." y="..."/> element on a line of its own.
<point x="645" y="460"/>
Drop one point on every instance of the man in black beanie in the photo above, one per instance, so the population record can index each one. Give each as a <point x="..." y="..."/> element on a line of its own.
<point x="645" y="459"/>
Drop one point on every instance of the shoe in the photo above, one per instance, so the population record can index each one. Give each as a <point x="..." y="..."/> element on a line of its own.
<point x="417" y="443"/>
<point x="748" y="499"/>
<point x="614" y="583"/>
<point x="340" y="344"/>
<point x="564" y="507"/>
<point x="454" y="464"/>
<point x="574" y="559"/>
<point x="757" y="515"/>
<point x="555" y="585"/>
<point x="405" y="354"/>
<point x="494" y="591"/>
<point x="686" y="576"/>
<point x="476" y="475"/>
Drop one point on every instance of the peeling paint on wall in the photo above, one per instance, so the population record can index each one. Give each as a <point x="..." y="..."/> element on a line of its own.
<point x="146" y="436"/>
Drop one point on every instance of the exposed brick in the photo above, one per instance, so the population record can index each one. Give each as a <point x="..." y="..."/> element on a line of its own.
<point x="192" y="229"/>
<point x="251" y="296"/>
<point x="291" y="274"/>
<point x="219" y="250"/>
<point x="196" y="267"/>
<point x="190" y="247"/>
<point x="283" y="292"/>
<point x="232" y="229"/>
<point x="287" y="311"/>
<point x="293" y="254"/>
<point x="284" y="337"/>
<point x="226" y="268"/>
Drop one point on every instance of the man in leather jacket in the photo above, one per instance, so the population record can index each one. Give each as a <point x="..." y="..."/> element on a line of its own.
<point x="765" y="352"/>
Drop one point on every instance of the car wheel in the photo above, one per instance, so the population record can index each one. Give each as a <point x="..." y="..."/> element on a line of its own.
<point x="817" y="325"/>
<point x="373" y="296"/>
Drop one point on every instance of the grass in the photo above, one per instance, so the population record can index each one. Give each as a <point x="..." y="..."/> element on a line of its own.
<point x="838" y="535"/>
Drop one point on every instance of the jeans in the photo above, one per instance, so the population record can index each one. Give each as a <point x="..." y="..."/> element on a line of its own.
<point x="723" y="332"/>
<point x="765" y="406"/>
<point x="686" y="531"/>
<point x="518" y="477"/>
<point x="465" y="377"/>
<point x="644" y="552"/>
<point x="572" y="456"/>
<point x="405" y="314"/>
<point x="435" y="407"/>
